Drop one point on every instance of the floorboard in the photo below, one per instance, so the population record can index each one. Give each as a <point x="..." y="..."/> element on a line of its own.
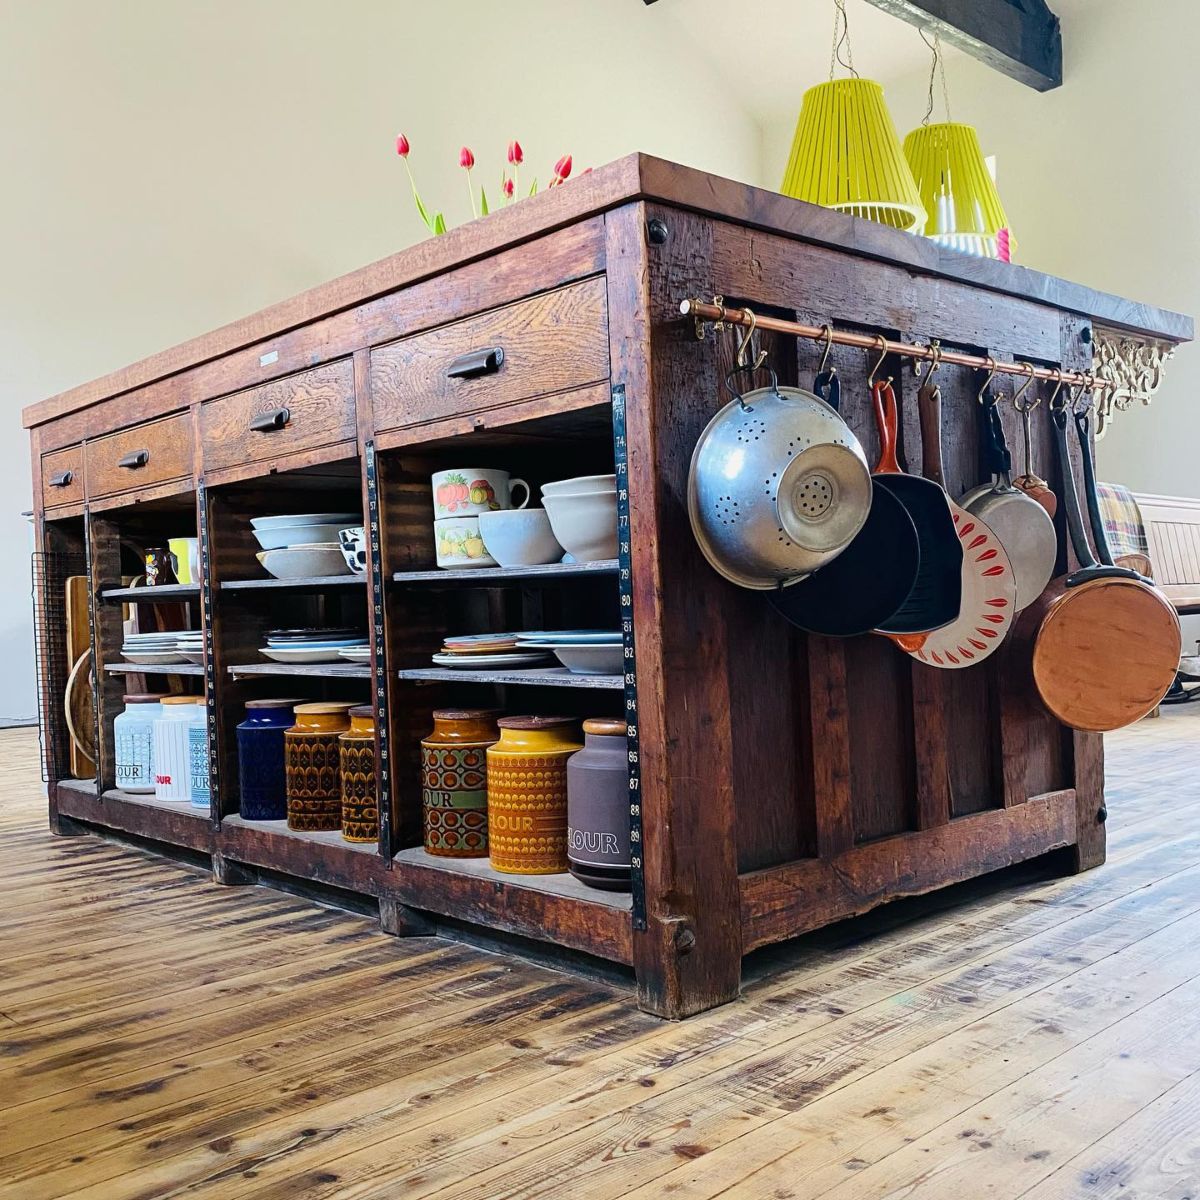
<point x="1025" y="1036"/>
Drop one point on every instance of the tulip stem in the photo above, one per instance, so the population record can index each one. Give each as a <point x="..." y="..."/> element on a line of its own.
<point x="471" y="193"/>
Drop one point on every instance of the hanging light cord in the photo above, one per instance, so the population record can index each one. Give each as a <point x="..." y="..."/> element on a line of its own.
<point x="841" y="37"/>
<point x="936" y="67"/>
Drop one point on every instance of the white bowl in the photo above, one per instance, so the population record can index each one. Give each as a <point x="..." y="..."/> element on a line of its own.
<point x="301" y="657"/>
<point x="581" y="485"/>
<point x="290" y="519"/>
<point x="519" y="537"/>
<point x="286" y="536"/>
<point x="149" y="659"/>
<point x="586" y="659"/>
<point x="585" y="525"/>
<point x="303" y="562"/>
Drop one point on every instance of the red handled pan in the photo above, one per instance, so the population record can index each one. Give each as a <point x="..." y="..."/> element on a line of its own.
<point x="871" y="578"/>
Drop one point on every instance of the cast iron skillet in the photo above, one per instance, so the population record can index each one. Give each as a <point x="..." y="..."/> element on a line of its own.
<point x="873" y="575"/>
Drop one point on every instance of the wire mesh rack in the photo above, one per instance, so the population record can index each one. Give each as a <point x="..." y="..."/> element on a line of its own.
<point x="51" y="570"/>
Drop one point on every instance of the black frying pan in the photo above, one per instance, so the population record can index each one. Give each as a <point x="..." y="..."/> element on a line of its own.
<point x="873" y="575"/>
<point x="937" y="592"/>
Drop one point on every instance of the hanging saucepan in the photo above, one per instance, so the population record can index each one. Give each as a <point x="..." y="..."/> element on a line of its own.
<point x="1022" y="525"/>
<point x="988" y="587"/>
<point x="778" y="486"/>
<point x="1031" y="483"/>
<point x="871" y="578"/>
<point x="1104" y="645"/>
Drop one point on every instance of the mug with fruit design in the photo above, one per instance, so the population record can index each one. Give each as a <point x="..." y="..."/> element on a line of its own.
<point x="467" y="492"/>
<point x="459" y="544"/>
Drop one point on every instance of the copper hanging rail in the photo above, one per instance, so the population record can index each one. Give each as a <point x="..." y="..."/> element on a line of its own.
<point x="703" y="312"/>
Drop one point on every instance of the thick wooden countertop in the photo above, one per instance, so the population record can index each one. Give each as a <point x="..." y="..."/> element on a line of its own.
<point x="635" y="177"/>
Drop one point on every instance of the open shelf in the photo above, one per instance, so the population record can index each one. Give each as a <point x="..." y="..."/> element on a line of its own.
<point x="319" y="670"/>
<point x="160" y="594"/>
<point x="491" y="576"/>
<point x="330" y="837"/>
<point x="564" y="884"/>
<point x="537" y="676"/>
<point x="128" y="668"/>
<point x="308" y="582"/>
<point x="149" y="799"/>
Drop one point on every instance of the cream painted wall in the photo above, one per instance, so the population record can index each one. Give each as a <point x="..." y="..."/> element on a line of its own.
<point x="173" y="165"/>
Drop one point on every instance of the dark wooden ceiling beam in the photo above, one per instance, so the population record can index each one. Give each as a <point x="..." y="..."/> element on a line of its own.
<point x="1021" y="38"/>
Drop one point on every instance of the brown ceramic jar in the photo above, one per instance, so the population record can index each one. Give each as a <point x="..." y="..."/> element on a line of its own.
<point x="313" y="765"/>
<point x="360" y="809"/>
<point x="454" y="781"/>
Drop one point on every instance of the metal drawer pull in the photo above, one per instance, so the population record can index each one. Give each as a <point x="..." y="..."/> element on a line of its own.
<point x="478" y="362"/>
<point x="62" y="479"/>
<point x="268" y="422"/>
<point x="135" y="459"/>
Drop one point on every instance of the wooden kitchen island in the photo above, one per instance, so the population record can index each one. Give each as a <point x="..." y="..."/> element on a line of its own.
<point x="778" y="781"/>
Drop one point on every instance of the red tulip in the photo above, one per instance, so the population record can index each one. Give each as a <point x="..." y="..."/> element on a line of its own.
<point x="562" y="168"/>
<point x="515" y="155"/>
<point x="509" y="187"/>
<point x="465" y="158"/>
<point x="402" y="145"/>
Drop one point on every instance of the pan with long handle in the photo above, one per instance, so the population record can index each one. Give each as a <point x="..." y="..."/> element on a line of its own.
<point x="1103" y="644"/>
<point x="873" y="575"/>
<point x="988" y="585"/>
<point x="1083" y="431"/>
<point x="937" y="592"/>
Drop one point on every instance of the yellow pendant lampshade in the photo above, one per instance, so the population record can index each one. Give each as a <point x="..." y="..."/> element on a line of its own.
<point x="846" y="155"/>
<point x="958" y="191"/>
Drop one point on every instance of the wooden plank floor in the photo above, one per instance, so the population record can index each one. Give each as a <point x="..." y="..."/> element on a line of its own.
<point x="1030" y="1037"/>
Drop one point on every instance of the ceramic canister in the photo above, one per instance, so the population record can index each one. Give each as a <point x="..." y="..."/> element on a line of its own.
<point x="172" y="753"/>
<point x="360" y="809"/>
<point x="454" y="781"/>
<point x="199" y="787"/>
<point x="260" y="759"/>
<point x="527" y="794"/>
<point x="598" y="807"/>
<point x="133" y="734"/>
<point x="312" y="761"/>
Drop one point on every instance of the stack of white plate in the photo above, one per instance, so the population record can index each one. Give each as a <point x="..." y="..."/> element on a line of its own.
<point x="152" y="649"/>
<point x="306" y="646"/>
<point x="581" y="651"/>
<point x="191" y="646"/>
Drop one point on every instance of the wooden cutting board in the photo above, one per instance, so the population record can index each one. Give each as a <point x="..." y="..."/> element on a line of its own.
<point x="79" y="639"/>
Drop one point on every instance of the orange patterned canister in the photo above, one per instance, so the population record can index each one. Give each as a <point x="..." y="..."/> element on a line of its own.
<point x="312" y="764"/>
<point x="527" y="794"/>
<point x="360" y="810"/>
<point x="454" y="781"/>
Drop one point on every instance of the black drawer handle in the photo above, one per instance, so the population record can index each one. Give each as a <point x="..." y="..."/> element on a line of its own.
<point x="478" y="362"/>
<point x="135" y="459"/>
<point x="62" y="479"/>
<point x="268" y="422"/>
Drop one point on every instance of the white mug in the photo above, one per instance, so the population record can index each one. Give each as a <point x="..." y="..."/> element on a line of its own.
<point x="466" y="492"/>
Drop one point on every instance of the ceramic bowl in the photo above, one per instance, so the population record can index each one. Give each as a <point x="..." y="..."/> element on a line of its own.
<point x="581" y="485"/>
<point x="519" y="537"/>
<point x="586" y="525"/>
<point x="354" y="548"/>
<point x="301" y="657"/>
<point x="290" y="519"/>
<point x="586" y="659"/>
<point x="302" y="562"/>
<point x="282" y="537"/>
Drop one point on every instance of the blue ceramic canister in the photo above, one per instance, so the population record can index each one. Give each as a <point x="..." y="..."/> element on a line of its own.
<point x="199" y="783"/>
<point x="260" y="759"/>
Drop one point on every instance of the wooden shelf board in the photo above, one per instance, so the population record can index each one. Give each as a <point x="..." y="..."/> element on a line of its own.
<point x="343" y="670"/>
<point x="491" y="576"/>
<point x="536" y="676"/>
<point x="141" y="815"/>
<point x="564" y="884"/>
<point x="182" y="808"/>
<point x="165" y="669"/>
<point x="308" y="581"/>
<point x="153" y="595"/>
<point x="331" y="838"/>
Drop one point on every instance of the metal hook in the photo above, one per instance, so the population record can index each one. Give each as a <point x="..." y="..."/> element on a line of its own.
<point x="935" y="358"/>
<point x="1053" y="403"/>
<point x="881" y="342"/>
<point x="828" y="340"/>
<point x="1089" y="382"/>
<point x="991" y="362"/>
<point x="1018" y="397"/>
<point x="744" y="344"/>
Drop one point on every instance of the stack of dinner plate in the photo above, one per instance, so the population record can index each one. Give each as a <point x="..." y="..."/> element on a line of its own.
<point x="191" y="646"/>
<point x="305" y="646"/>
<point x="488" y="651"/>
<point x="581" y="651"/>
<point x="152" y="649"/>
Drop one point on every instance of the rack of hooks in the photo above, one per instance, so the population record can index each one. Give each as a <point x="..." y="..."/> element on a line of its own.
<point x="716" y="313"/>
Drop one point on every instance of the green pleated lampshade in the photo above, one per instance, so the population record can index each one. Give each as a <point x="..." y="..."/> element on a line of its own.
<point x="957" y="189"/>
<point x="846" y="155"/>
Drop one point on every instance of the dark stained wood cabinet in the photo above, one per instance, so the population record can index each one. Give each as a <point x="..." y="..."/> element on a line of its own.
<point x="781" y="781"/>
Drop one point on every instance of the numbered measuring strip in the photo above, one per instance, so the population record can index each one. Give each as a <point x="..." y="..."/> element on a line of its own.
<point x="210" y="668"/>
<point x="382" y="731"/>
<point x="625" y="581"/>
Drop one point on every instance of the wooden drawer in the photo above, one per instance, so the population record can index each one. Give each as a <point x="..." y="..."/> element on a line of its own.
<point x="62" y="477"/>
<point x="286" y="416"/>
<point x="546" y="344"/>
<point x="141" y="457"/>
